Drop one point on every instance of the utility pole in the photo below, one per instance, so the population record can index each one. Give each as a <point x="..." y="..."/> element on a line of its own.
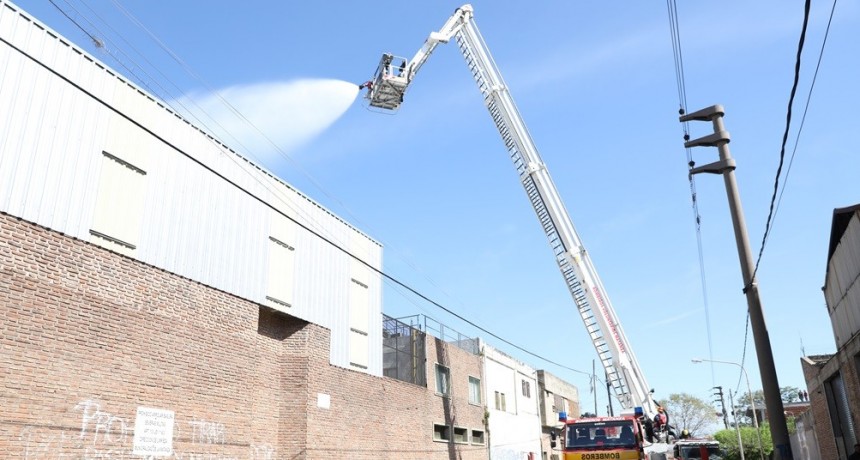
<point x="609" y="395"/>
<point x="737" y="427"/>
<point x="594" y="385"/>
<point x="719" y="393"/>
<point x="726" y="166"/>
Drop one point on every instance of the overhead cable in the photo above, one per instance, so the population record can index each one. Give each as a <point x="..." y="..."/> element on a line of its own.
<point x="672" y="8"/>
<point x="269" y="205"/>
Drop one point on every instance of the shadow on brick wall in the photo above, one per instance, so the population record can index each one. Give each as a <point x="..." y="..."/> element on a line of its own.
<point x="276" y="325"/>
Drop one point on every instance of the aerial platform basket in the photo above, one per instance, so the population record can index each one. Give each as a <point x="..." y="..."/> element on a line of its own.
<point x="386" y="89"/>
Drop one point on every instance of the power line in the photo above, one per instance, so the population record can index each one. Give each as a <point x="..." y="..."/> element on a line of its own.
<point x="806" y="107"/>
<point x="96" y="41"/>
<point x="672" y="8"/>
<point x="397" y="282"/>
<point x="186" y="112"/>
<point x="187" y="68"/>
<point x="775" y="208"/>
<point x="275" y="209"/>
<point x="794" y="85"/>
<point x="744" y="353"/>
<point x="111" y="51"/>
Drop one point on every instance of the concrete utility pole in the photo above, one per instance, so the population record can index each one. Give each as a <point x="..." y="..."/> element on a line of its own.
<point x="594" y="385"/>
<point x="609" y="395"/>
<point x="723" y="404"/>
<point x="737" y="427"/>
<point x="726" y="166"/>
<point x="752" y="400"/>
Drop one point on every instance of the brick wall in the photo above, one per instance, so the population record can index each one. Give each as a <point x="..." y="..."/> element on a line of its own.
<point x="87" y="337"/>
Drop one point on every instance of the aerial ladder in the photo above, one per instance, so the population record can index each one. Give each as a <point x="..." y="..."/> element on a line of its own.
<point x="385" y="91"/>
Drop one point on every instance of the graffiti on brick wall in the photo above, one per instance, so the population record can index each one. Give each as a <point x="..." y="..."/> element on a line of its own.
<point x="205" y="432"/>
<point x="262" y="452"/>
<point x="102" y="435"/>
<point x="106" y="435"/>
<point x="100" y="427"/>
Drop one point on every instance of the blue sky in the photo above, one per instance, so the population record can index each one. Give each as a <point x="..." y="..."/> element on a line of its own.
<point x="596" y="86"/>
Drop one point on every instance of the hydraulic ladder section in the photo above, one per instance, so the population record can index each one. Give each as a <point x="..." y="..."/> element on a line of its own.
<point x="604" y="329"/>
<point x="386" y="92"/>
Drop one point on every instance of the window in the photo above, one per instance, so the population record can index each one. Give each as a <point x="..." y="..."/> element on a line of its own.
<point x="527" y="388"/>
<point x="558" y="404"/>
<point x="359" y="306"/>
<point x="474" y="390"/>
<point x="443" y="379"/>
<point x="477" y="437"/>
<point x="500" y="402"/>
<point x="279" y="292"/>
<point x="358" y="349"/>
<point x="441" y="432"/>
<point x="119" y="205"/>
<point x="461" y="435"/>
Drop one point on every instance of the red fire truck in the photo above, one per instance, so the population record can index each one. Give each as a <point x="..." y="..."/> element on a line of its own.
<point x="621" y="437"/>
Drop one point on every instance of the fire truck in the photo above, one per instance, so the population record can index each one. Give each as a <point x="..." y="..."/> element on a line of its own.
<point x="385" y="92"/>
<point x="621" y="437"/>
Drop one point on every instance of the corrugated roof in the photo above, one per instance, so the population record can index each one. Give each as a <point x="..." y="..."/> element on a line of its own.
<point x="841" y="218"/>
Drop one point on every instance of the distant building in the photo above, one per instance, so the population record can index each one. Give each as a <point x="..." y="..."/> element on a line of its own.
<point x="792" y="409"/>
<point x="445" y="417"/>
<point x="514" y="422"/>
<point x="832" y="380"/>
<point x="556" y="396"/>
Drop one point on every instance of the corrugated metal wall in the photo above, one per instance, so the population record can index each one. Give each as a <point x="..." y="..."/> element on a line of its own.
<point x="842" y="291"/>
<point x="207" y="213"/>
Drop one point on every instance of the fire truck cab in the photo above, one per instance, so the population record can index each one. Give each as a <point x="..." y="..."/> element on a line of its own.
<point x="620" y="437"/>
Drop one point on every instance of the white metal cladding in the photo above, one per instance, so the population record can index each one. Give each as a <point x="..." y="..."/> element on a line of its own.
<point x="207" y="213"/>
<point x="842" y="291"/>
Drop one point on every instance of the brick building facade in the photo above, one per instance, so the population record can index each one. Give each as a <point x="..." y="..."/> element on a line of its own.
<point x="88" y="337"/>
<point x="833" y="380"/>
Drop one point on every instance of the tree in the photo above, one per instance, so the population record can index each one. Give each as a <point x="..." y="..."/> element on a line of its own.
<point x="743" y="399"/>
<point x="744" y="408"/>
<point x="788" y="394"/>
<point x="729" y="442"/>
<point x="691" y="413"/>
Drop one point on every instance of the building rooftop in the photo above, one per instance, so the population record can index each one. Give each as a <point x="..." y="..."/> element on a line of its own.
<point x="841" y="218"/>
<point x="819" y="359"/>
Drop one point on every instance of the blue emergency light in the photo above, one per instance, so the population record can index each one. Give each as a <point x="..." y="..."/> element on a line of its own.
<point x="637" y="411"/>
<point x="562" y="416"/>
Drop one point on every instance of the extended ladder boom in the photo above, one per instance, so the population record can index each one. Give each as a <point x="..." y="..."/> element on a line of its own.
<point x="591" y="300"/>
